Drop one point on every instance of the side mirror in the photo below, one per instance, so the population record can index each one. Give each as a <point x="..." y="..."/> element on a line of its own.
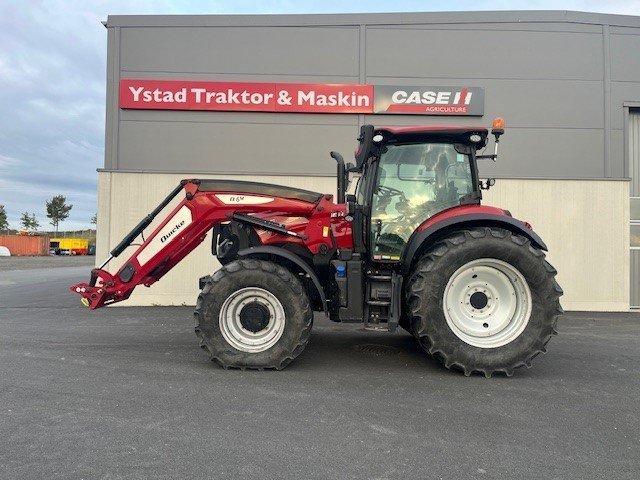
<point x="490" y="182"/>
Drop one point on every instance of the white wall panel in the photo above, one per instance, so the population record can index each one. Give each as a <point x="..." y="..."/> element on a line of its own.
<point x="584" y="223"/>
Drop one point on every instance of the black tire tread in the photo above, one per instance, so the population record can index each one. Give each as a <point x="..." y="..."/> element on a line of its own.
<point x="286" y="276"/>
<point x="415" y="300"/>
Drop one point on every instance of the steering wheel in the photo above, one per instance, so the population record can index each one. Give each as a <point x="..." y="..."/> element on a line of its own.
<point x="390" y="191"/>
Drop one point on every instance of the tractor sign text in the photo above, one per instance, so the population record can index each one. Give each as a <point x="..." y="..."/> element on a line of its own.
<point x="300" y="97"/>
<point x="259" y="97"/>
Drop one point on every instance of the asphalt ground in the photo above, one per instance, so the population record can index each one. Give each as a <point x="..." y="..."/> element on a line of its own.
<point x="50" y="261"/>
<point x="126" y="393"/>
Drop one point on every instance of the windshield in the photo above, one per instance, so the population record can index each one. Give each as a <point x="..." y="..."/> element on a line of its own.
<point x="414" y="182"/>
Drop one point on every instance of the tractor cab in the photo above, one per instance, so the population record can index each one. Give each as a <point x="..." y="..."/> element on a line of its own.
<point x="407" y="176"/>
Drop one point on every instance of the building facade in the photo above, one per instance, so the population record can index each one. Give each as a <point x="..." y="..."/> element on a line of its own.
<point x="567" y="84"/>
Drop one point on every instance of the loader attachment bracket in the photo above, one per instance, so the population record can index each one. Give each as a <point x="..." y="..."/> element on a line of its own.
<point x="99" y="292"/>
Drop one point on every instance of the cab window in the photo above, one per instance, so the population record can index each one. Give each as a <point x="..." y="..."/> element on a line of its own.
<point x="414" y="182"/>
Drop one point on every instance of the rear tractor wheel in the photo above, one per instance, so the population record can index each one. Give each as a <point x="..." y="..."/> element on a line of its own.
<point x="483" y="300"/>
<point x="253" y="314"/>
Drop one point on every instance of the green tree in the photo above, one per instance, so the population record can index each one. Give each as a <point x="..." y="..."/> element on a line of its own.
<point x="25" y="221"/>
<point x="35" y="224"/>
<point x="94" y="218"/>
<point x="29" y="221"/>
<point x="58" y="210"/>
<point x="4" y="223"/>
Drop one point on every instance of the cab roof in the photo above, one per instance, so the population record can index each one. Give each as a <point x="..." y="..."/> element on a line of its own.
<point x="431" y="129"/>
<point x="433" y="133"/>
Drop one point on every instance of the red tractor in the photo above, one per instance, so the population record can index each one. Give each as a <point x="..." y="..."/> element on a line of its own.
<point x="412" y="247"/>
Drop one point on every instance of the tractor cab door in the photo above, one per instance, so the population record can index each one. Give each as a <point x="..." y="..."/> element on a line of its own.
<point x="412" y="183"/>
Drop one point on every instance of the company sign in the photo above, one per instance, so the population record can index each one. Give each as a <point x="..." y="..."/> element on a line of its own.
<point x="249" y="97"/>
<point x="429" y="100"/>
<point x="299" y="97"/>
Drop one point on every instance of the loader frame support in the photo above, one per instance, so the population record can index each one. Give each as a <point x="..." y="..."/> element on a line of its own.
<point x="146" y="221"/>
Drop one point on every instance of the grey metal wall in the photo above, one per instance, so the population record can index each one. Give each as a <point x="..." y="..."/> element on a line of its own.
<point x="635" y="278"/>
<point x="633" y="136"/>
<point x="634" y="156"/>
<point x="559" y="78"/>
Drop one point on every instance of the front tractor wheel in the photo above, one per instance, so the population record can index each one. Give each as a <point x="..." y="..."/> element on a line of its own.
<point x="253" y="314"/>
<point x="483" y="300"/>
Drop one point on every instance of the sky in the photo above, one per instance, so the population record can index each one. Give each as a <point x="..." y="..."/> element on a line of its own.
<point x="52" y="84"/>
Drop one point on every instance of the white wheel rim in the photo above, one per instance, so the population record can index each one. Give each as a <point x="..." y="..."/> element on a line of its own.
<point x="240" y="337"/>
<point x="506" y="312"/>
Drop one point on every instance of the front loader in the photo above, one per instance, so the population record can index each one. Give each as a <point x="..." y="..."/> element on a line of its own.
<point x="412" y="247"/>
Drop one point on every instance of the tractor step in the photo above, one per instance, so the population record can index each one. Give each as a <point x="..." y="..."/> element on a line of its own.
<point x="379" y="278"/>
<point x="378" y="303"/>
<point x="376" y="327"/>
<point x="383" y="300"/>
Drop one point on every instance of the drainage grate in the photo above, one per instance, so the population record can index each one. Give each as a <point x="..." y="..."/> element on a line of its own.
<point x="377" y="349"/>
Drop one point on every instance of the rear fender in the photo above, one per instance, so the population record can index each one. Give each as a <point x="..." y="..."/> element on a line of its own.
<point x="421" y="240"/>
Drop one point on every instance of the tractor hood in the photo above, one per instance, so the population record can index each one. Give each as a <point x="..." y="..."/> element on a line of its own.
<point x="266" y="189"/>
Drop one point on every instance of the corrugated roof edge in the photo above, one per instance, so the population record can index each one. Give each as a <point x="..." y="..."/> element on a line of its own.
<point x="506" y="16"/>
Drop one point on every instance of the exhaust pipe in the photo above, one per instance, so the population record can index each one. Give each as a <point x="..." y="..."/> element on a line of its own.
<point x="342" y="177"/>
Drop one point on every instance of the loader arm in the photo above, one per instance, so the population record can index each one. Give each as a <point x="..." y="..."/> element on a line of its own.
<point x="205" y="204"/>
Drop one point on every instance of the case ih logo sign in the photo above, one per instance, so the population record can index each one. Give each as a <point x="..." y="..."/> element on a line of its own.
<point x="299" y="97"/>
<point x="429" y="100"/>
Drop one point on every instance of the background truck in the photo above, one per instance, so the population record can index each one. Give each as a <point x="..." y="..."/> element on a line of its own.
<point x="75" y="246"/>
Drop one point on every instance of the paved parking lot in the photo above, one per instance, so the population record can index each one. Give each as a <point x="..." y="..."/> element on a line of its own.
<point x="126" y="393"/>
<point x="51" y="261"/>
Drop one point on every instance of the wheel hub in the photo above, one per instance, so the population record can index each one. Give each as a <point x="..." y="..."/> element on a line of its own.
<point x="478" y="300"/>
<point x="252" y="319"/>
<point x="487" y="303"/>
